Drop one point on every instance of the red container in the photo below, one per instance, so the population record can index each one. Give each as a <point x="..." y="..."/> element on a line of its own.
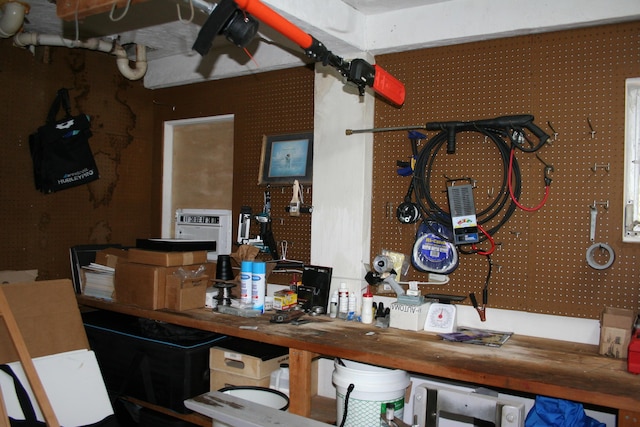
<point x="633" y="358"/>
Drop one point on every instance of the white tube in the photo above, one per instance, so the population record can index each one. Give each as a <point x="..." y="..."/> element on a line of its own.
<point x="11" y="18"/>
<point x="122" y="61"/>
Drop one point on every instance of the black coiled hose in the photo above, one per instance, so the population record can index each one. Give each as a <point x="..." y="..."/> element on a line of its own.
<point x="502" y="204"/>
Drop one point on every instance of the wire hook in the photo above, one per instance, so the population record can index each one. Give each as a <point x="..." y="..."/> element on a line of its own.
<point x="122" y="15"/>
<point x="185" y="21"/>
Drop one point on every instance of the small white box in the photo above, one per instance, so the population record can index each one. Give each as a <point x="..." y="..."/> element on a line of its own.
<point x="408" y="316"/>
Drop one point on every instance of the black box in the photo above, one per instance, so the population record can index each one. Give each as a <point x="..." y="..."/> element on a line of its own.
<point x="152" y="361"/>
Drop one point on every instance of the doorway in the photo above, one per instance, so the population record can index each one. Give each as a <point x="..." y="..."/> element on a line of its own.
<point x="197" y="166"/>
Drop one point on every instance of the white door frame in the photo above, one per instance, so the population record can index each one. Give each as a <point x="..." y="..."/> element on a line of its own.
<point x="167" y="165"/>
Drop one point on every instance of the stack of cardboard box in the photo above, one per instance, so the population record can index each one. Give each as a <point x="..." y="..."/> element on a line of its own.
<point x="238" y="362"/>
<point x="156" y="280"/>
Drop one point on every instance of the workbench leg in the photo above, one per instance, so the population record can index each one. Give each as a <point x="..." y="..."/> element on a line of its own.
<point x="628" y="418"/>
<point x="300" y="382"/>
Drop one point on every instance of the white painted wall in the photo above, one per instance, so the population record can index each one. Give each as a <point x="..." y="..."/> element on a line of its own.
<point x="347" y="32"/>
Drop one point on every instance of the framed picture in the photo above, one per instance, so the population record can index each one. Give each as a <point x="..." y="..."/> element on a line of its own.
<point x="286" y="158"/>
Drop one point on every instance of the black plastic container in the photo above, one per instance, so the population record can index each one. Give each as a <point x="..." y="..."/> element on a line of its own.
<point x="152" y="361"/>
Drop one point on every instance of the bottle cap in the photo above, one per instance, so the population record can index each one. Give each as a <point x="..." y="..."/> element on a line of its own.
<point x="259" y="267"/>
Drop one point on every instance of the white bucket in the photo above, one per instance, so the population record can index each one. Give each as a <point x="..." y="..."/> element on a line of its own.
<point x="261" y="395"/>
<point x="374" y="387"/>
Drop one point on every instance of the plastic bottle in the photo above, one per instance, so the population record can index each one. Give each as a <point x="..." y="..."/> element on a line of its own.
<point x="246" y="282"/>
<point x="258" y="285"/>
<point x="352" y="306"/>
<point x="367" y="307"/>
<point x="343" y="301"/>
<point x="333" y="305"/>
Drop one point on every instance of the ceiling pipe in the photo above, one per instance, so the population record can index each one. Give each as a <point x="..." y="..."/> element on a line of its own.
<point x="12" y="17"/>
<point x="122" y="61"/>
<point x="140" y="68"/>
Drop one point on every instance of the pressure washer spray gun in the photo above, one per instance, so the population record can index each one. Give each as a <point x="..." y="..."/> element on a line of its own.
<point x="235" y="20"/>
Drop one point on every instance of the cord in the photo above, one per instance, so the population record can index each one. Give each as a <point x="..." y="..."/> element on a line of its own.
<point x="502" y="204"/>
<point x="513" y="197"/>
<point x="346" y="403"/>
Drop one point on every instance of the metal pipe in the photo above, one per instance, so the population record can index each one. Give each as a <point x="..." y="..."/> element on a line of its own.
<point x="376" y="130"/>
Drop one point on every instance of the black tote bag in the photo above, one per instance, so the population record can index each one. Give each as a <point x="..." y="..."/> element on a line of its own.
<point x="60" y="150"/>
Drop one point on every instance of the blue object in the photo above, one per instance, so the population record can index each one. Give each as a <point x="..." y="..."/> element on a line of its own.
<point x="551" y="412"/>
<point x="432" y="253"/>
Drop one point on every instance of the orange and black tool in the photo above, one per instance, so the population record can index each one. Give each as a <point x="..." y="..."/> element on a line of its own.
<point x="238" y="22"/>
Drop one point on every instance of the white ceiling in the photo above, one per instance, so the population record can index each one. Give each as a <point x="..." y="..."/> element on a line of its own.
<point x="347" y="27"/>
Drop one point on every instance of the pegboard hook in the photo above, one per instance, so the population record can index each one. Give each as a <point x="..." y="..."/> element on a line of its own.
<point x="605" y="166"/>
<point x="604" y="203"/>
<point x="593" y="131"/>
<point x="555" y="134"/>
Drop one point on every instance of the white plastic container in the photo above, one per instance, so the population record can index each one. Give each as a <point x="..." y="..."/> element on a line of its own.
<point x="343" y="301"/>
<point x="374" y="387"/>
<point x="279" y="379"/>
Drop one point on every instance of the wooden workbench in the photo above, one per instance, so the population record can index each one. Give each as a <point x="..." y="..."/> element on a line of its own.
<point x="523" y="364"/>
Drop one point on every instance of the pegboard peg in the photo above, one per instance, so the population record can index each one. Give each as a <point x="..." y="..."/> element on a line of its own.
<point x="515" y="233"/>
<point x="555" y="134"/>
<point x="605" y="166"/>
<point x="593" y="131"/>
<point x="490" y="192"/>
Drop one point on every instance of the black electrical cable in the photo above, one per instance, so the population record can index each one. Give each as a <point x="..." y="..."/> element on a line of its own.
<point x="501" y="204"/>
<point x="346" y="404"/>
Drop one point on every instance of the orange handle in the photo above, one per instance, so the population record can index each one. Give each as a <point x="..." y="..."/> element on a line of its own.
<point x="277" y="22"/>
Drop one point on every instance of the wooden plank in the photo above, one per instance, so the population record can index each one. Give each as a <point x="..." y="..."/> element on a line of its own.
<point x="300" y="381"/>
<point x="628" y="419"/>
<point x="66" y="9"/>
<point x="524" y="364"/>
<point x="27" y="363"/>
<point x="4" y="417"/>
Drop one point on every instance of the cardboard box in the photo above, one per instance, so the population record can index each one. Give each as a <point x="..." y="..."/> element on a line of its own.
<point x="408" y="316"/>
<point x="220" y="379"/>
<point x="284" y="300"/>
<point x="233" y="362"/>
<point x="48" y="317"/>
<point x="111" y="256"/>
<point x="141" y="285"/>
<point x="144" y="285"/>
<point x="166" y="259"/>
<point x="615" y="332"/>
<point x="247" y="358"/>
<point x="185" y="294"/>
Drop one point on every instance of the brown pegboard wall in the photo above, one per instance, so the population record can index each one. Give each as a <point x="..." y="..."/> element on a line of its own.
<point x="270" y="103"/>
<point x="284" y="106"/>
<point x="566" y="80"/>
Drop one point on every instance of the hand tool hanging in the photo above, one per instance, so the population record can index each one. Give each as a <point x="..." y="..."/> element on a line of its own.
<point x="234" y="20"/>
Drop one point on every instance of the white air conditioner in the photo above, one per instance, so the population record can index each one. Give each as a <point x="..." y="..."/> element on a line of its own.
<point x="211" y="225"/>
